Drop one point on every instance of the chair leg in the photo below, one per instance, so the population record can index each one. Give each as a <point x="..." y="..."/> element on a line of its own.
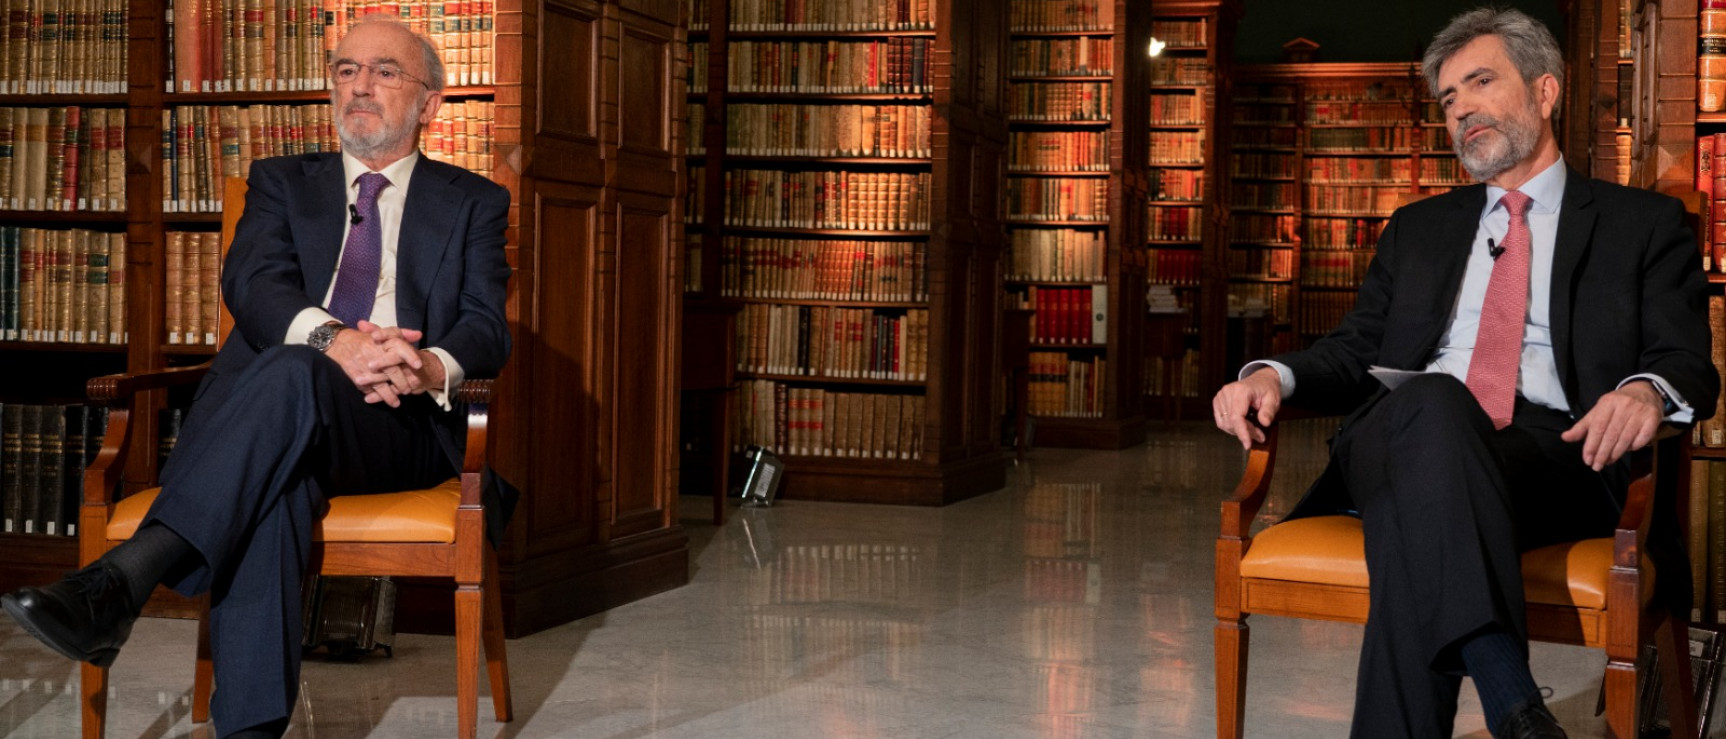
<point x="1231" y="640"/>
<point x="93" y="698"/>
<point x="468" y="612"/>
<point x="1672" y="642"/>
<point x="496" y="658"/>
<point x="1621" y="698"/>
<point x="203" y="676"/>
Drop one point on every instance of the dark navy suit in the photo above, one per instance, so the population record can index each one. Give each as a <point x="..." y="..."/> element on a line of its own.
<point x="1448" y="503"/>
<point x="276" y="430"/>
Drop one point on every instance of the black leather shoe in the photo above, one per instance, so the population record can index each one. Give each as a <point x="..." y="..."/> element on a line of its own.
<point x="1530" y="720"/>
<point x="86" y="616"/>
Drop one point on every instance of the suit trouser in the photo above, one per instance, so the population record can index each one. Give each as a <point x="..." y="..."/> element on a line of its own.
<point x="1448" y="504"/>
<point x="246" y="484"/>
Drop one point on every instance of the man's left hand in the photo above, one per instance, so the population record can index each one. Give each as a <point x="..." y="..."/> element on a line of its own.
<point x="1624" y="420"/>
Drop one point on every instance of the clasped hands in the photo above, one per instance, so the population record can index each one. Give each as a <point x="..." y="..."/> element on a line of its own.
<point x="383" y="362"/>
<point x="1621" y="421"/>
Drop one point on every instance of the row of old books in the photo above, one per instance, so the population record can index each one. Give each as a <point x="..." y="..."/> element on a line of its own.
<point x="1356" y="200"/>
<point x="1060" y="101"/>
<point x="1057" y="199"/>
<point x="814" y="422"/>
<point x="204" y="144"/>
<point x="897" y="65"/>
<point x="871" y="201"/>
<point x="1267" y="195"/>
<point x="1251" y="164"/>
<point x="1358" y="170"/>
<point x="1034" y="16"/>
<point x="820" y="15"/>
<point x="787" y="129"/>
<point x="1322" y="311"/>
<point x="43" y="452"/>
<point x="192" y="287"/>
<point x="805" y="269"/>
<point x="65" y="286"/>
<point x="63" y="47"/>
<point x="1712" y="432"/>
<point x="1706" y="539"/>
<point x="1179" y="267"/>
<point x="1177" y="147"/>
<point x="1342" y="233"/>
<point x="1178" y="70"/>
<point x="1175" y="223"/>
<point x="1177" y="109"/>
<point x="1351" y="140"/>
<point x="1071" y="151"/>
<point x="1177" y="184"/>
<point x="1062" y="57"/>
<point x="1182" y="374"/>
<point x="1066" y="315"/>
<point x="1263" y="264"/>
<point x="1277" y="299"/>
<point x="63" y="158"/>
<point x="1057" y="255"/>
<point x="829" y="341"/>
<point x="1263" y="228"/>
<point x="1191" y="33"/>
<point x="278" y="45"/>
<point x="1711" y="183"/>
<point x="1334" y="268"/>
<point x="1066" y="386"/>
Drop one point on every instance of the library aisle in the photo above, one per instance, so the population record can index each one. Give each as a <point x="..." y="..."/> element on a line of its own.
<point x="1074" y="603"/>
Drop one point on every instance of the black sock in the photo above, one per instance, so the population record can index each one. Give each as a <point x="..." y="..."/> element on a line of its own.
<point x="148" y="556"/>
<point x="1499" y="667"/>
<point x="267" y="730"/>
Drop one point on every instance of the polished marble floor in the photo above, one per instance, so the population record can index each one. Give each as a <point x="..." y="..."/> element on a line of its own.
<point x="1075" y="603"/>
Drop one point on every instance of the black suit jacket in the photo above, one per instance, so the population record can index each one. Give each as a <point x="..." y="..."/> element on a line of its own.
<point x="1628" y="296"/>
<point x="451" y="271"/>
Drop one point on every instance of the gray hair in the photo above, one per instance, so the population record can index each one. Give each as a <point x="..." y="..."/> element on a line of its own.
<point x="1527" y="41"/>
<point x="429" y="56"/>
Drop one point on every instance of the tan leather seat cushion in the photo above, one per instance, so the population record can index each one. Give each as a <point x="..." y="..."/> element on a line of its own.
<point x="410" y="516"/>
<point x="1331" y="550"/>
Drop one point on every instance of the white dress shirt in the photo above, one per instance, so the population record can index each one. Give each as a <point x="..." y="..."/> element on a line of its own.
<point x="1537" y="378"/>
<point x="392" y="201"/>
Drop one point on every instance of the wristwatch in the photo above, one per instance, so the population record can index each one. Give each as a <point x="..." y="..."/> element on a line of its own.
<point x="323" y="335"/>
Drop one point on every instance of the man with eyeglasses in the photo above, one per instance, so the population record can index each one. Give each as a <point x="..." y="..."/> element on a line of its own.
<point x="364" y="286"/>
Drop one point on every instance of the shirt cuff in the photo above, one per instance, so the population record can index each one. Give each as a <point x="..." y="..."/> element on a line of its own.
<point x="1284" y="373"/>
<point x="452" y="377"/>
<point x="1681" y="411"/>
<point x="300" y="329"/>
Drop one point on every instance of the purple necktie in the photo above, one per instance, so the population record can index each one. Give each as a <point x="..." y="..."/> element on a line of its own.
<point x="357" y="278"/>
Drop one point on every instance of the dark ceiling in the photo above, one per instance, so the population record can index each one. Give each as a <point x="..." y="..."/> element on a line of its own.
<point x="1360" y="30"/>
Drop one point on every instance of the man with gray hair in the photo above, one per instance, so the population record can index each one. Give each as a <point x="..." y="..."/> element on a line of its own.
<point x="364" y="285"/>
<point x="1551" y="323"/>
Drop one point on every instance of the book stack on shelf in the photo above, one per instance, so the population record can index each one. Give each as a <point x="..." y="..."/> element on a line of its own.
<point x="1077" y="91"/>
<point x="816" y="170"/>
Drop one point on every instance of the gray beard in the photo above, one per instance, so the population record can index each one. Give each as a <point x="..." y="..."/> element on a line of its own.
<point x="1480" y="160"/>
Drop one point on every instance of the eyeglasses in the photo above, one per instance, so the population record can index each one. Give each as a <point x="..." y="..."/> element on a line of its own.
<point x="383" y="75"/>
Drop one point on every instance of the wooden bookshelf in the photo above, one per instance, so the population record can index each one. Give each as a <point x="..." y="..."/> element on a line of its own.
<point x="883" y="219"/>
<point x="1323" y="153"/>
<point x="585" y="421"/>
<point x="1186" y="223"/>
<point x="1077" y="190"/>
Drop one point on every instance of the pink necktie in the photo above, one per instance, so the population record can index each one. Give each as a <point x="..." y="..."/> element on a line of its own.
<point x="1498" y="346"/>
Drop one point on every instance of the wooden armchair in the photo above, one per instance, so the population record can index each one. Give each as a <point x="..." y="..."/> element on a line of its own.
<point x="1597" y="592"/>
<point x="439" y="532"/>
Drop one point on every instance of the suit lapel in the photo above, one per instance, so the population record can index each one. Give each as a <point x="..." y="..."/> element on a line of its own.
<point x="428" y="229"/>
<point x="324" y="205"/>
<point x="1576" y="216"/>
